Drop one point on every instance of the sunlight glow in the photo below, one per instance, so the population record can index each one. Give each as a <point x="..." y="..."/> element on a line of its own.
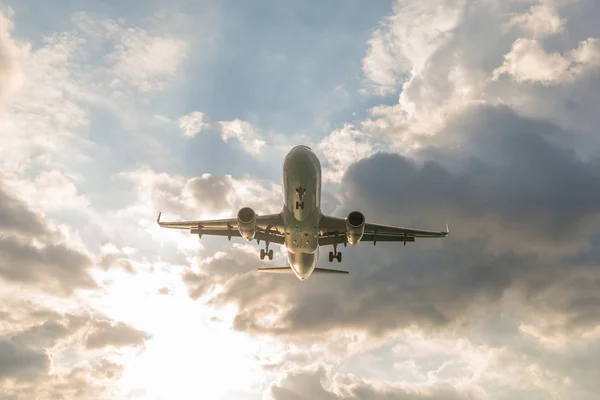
<point x="193" y="350"/>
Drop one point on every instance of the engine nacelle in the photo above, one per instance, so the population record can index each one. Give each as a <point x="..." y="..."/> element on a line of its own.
<point x="355" y="227"/>
<point x="246" y="219"/>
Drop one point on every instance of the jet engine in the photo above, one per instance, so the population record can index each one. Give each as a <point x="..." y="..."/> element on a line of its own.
<point x="246" y="219"/>
<point x="355" y="227"/>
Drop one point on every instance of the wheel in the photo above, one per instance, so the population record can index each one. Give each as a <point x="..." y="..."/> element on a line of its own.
<point x="262" y="254"/>
<point x="331" y="256"/>
<point x="339" y="256"/>
<point x="297" y="205"/>
<point x="270" y="254"/>
<point x="302" y="205"/>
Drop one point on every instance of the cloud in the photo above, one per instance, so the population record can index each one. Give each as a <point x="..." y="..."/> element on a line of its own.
<point x="521" y="170"/>
<point x="148" y="63"/>
<point x="36" y="349"/>
<point x="242" y="131"/>
<point x="342" y="148"/>
<point x="32" y="253"/>
<point x="192" y="123"/>
<point x="514" y="289"/>
<point x="406" y="40"/>
<point x="112" y="256"/>
<point x="540" y="21"/>
<point x="87" y="380"/>
<point x="10" y="51"/>
<point x="114" y="334"/>
<point x="458" y="71"/>
<point x="528" y="62"/>
<point x="204" y="196"/>
<point x="232" y="270"/>
<point x="16" y="218"/>
<point x="42" y="116"/>
<point x="309" y="385"/>
<point x="21" y="363"/>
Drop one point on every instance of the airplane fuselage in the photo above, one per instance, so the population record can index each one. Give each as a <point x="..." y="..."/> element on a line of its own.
<point x="302" y="209"/>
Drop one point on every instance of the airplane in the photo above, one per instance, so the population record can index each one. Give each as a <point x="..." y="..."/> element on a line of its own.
<point x="301" y="226"/>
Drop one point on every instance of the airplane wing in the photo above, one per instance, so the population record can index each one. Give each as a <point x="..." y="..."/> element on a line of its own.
<point x="268" y="227"/>
<point x="333" y="231"/>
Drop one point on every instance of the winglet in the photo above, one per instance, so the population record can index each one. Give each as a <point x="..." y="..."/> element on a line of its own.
<point x="447" y="228"/>
<point x="158" y="219"/>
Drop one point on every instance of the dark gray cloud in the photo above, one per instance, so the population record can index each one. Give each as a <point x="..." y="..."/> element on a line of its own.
<point x="54" y="267"/>
<point x="107" y="333"/>
<point x="211" y="192"/>
<point x="23" y="353"/>
<point x="88" y="380"/>
<point x="21" y="362"/>
<point x="236" y="270"/>
<point x="516" y="170"/>
<point x="17" y="218"/>
<point x="309" y="385"/>
<point x="31" y="253"/>
<point x="33" y="334"/>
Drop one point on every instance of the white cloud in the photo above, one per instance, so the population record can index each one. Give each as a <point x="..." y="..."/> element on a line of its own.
<point x="10" y="52"/>
<point x="242" y="131"/>
<point x="192" y="123"/>
<point x="342" y="148"/>
<point x="462" y="69"/>
<point x="529" y="62"/>
<point x="540" y="21"/>
<point x="148" y="62"/>
<point x="408" y="38"/>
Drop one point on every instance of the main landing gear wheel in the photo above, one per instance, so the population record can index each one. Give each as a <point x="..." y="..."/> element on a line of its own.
<point x="268" y="253"/>
<point x="299" y="204"/>
<point x="335" y="254"/>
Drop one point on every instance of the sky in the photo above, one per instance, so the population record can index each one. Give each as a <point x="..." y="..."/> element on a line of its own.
<point x="482" y="114"/>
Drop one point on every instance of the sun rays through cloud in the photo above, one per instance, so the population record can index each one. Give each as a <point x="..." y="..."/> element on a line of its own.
<point x="480" y="114"/>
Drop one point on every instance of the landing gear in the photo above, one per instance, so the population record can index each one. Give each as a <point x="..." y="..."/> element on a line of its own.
<point x="268" y="253"/>
<point x="299" y="205"/>
<point x="335" y="254"/>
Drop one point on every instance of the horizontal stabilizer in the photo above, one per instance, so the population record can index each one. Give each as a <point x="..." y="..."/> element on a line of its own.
<point x="288" y="270"/>
<point x="276" y="270"/>
<point x="329" y="271"/>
